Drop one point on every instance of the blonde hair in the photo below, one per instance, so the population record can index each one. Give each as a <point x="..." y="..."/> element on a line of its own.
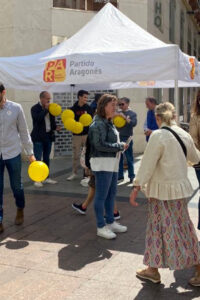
<point x="166" y="111"/>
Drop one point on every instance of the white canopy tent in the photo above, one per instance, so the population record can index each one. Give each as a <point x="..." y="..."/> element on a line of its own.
<point x="109" y="52"/>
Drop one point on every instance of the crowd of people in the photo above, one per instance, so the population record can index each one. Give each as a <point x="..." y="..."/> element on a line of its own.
<point x="171" y="240"/>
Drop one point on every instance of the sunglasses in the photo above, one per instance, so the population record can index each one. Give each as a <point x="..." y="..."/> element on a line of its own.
<point x="121" y="104"/>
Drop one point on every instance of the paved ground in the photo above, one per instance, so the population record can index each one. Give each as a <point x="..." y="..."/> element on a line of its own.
<point x="56" y="254"/>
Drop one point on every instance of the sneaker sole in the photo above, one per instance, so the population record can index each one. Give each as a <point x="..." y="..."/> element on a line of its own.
<point x="194" y="284"/>
<point x="116" y="231"/>
<point x="148" y="278"/>
<point x="107" y="238"/>
<point x="117" y="218"/>
<point x="77" y="209"/>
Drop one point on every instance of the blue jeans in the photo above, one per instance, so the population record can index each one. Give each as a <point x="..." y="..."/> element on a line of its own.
<point x="130" y="161"/>
<point x="13" y="166"/>
<point x="198" y="177"/>
<point x="43" y="149"/>
<point x="106" y="188"/>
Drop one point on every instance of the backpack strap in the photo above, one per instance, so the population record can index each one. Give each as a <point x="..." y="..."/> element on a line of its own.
<point x="178" y="138"/>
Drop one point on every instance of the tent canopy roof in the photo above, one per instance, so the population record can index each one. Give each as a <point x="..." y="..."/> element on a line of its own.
<point x="109" y="51"/>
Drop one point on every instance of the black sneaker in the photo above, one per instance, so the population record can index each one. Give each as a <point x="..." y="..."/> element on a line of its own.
<point x="120" y="178"/>
<point x="79" y="208"/>
<point x="117" y="216"/>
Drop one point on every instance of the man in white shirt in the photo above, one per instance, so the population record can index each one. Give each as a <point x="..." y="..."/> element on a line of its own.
<point x="13" y="133"/>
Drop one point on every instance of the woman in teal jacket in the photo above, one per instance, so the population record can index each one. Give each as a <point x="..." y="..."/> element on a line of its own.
<point x="104" y="160"/>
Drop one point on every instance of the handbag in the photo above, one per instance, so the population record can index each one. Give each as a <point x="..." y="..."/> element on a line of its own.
<point x="178" y="138"/>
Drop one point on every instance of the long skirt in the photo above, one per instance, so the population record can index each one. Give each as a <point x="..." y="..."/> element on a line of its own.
<point x="171" y="241"/>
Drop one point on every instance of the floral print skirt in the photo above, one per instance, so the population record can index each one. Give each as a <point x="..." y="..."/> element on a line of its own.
<point x="171" y="240"/>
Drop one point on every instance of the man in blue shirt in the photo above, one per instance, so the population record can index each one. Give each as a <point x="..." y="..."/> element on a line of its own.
<point x="94" y="103"/>
<point x="150" y="123"/>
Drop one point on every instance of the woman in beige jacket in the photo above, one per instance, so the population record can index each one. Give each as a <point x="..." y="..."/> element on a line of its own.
<point x="171" y="241"/>
<point x="195" y="133"/>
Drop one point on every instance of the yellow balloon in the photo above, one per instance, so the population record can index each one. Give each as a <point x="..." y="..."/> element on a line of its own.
<point x="85" y="119"/>
<point x="38" y="171"/>
<point x="55" y="109"/>
<point x="69" y="124"/>
<point x="66" y="114"/>
<point x="78" y="128"/>
<point x="119" y="121"/>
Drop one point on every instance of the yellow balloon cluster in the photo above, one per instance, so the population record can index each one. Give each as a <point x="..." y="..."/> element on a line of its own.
<point x="69" y="122"/>
<point x="85" y="119"/>
<point x="55" y="109"/>
<point x="73" y="126"/>
<point x="66" y="114"/>
<point x="78" y="128"/>
<point x="119" y="121"/>
<point x="38" y="171"/>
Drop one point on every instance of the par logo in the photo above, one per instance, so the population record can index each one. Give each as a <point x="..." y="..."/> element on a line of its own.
<point x="192" y="71"/>
<point x="55" y="70"/>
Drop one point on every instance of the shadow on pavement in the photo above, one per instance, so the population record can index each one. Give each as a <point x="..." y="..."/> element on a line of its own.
<point x="179" y="289"/>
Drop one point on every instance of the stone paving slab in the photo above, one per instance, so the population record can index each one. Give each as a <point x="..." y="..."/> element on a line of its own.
<point x="56" y="254"/>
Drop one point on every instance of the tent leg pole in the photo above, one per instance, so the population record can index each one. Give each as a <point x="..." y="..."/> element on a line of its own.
<point x="176" y="100"/>
<point x="72" y="93"/>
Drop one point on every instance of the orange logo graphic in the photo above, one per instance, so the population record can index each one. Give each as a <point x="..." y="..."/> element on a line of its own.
<point x="192" y="71"/>
<point x="146" y="83"/>
<point x="55" y="70"/>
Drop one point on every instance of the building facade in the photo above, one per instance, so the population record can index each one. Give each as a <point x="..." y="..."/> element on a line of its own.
<point x="28" y="26"/>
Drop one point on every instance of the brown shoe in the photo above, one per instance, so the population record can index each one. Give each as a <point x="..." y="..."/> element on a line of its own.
<point x="1" y="228"/>
<point x="19" y="217"/>
<point x="146" y="274"/>
<point x="195" y="281"/>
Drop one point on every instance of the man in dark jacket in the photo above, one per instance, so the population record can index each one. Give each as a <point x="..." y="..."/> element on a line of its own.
<point x="78" y="140"/>
<point x="42" y="134"/>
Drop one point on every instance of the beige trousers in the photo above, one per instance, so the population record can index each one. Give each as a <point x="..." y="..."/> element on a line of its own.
<point x="78" y="142"/>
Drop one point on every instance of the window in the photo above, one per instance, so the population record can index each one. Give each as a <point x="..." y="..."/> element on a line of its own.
<point x="171" y="95"/>
<point x="189" y="42"/>
<point x="182" y="23"/>
<point x="93" y="5"/>
<point x="172" y="6"/>
<point x="188" y="107"/>
<point x="181" y="103"/>
<point x="58" y="39"/>
<point x="195" y="47"/>
<point x="157" y="93"/>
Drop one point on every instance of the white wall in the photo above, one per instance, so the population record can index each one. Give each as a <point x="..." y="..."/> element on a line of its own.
<point x="25" y="28"/>
<point x="66" y="22"/>
<point x="137" y="11"/>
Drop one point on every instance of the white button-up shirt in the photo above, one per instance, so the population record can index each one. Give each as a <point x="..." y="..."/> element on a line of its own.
<point x="13" y="131"/>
